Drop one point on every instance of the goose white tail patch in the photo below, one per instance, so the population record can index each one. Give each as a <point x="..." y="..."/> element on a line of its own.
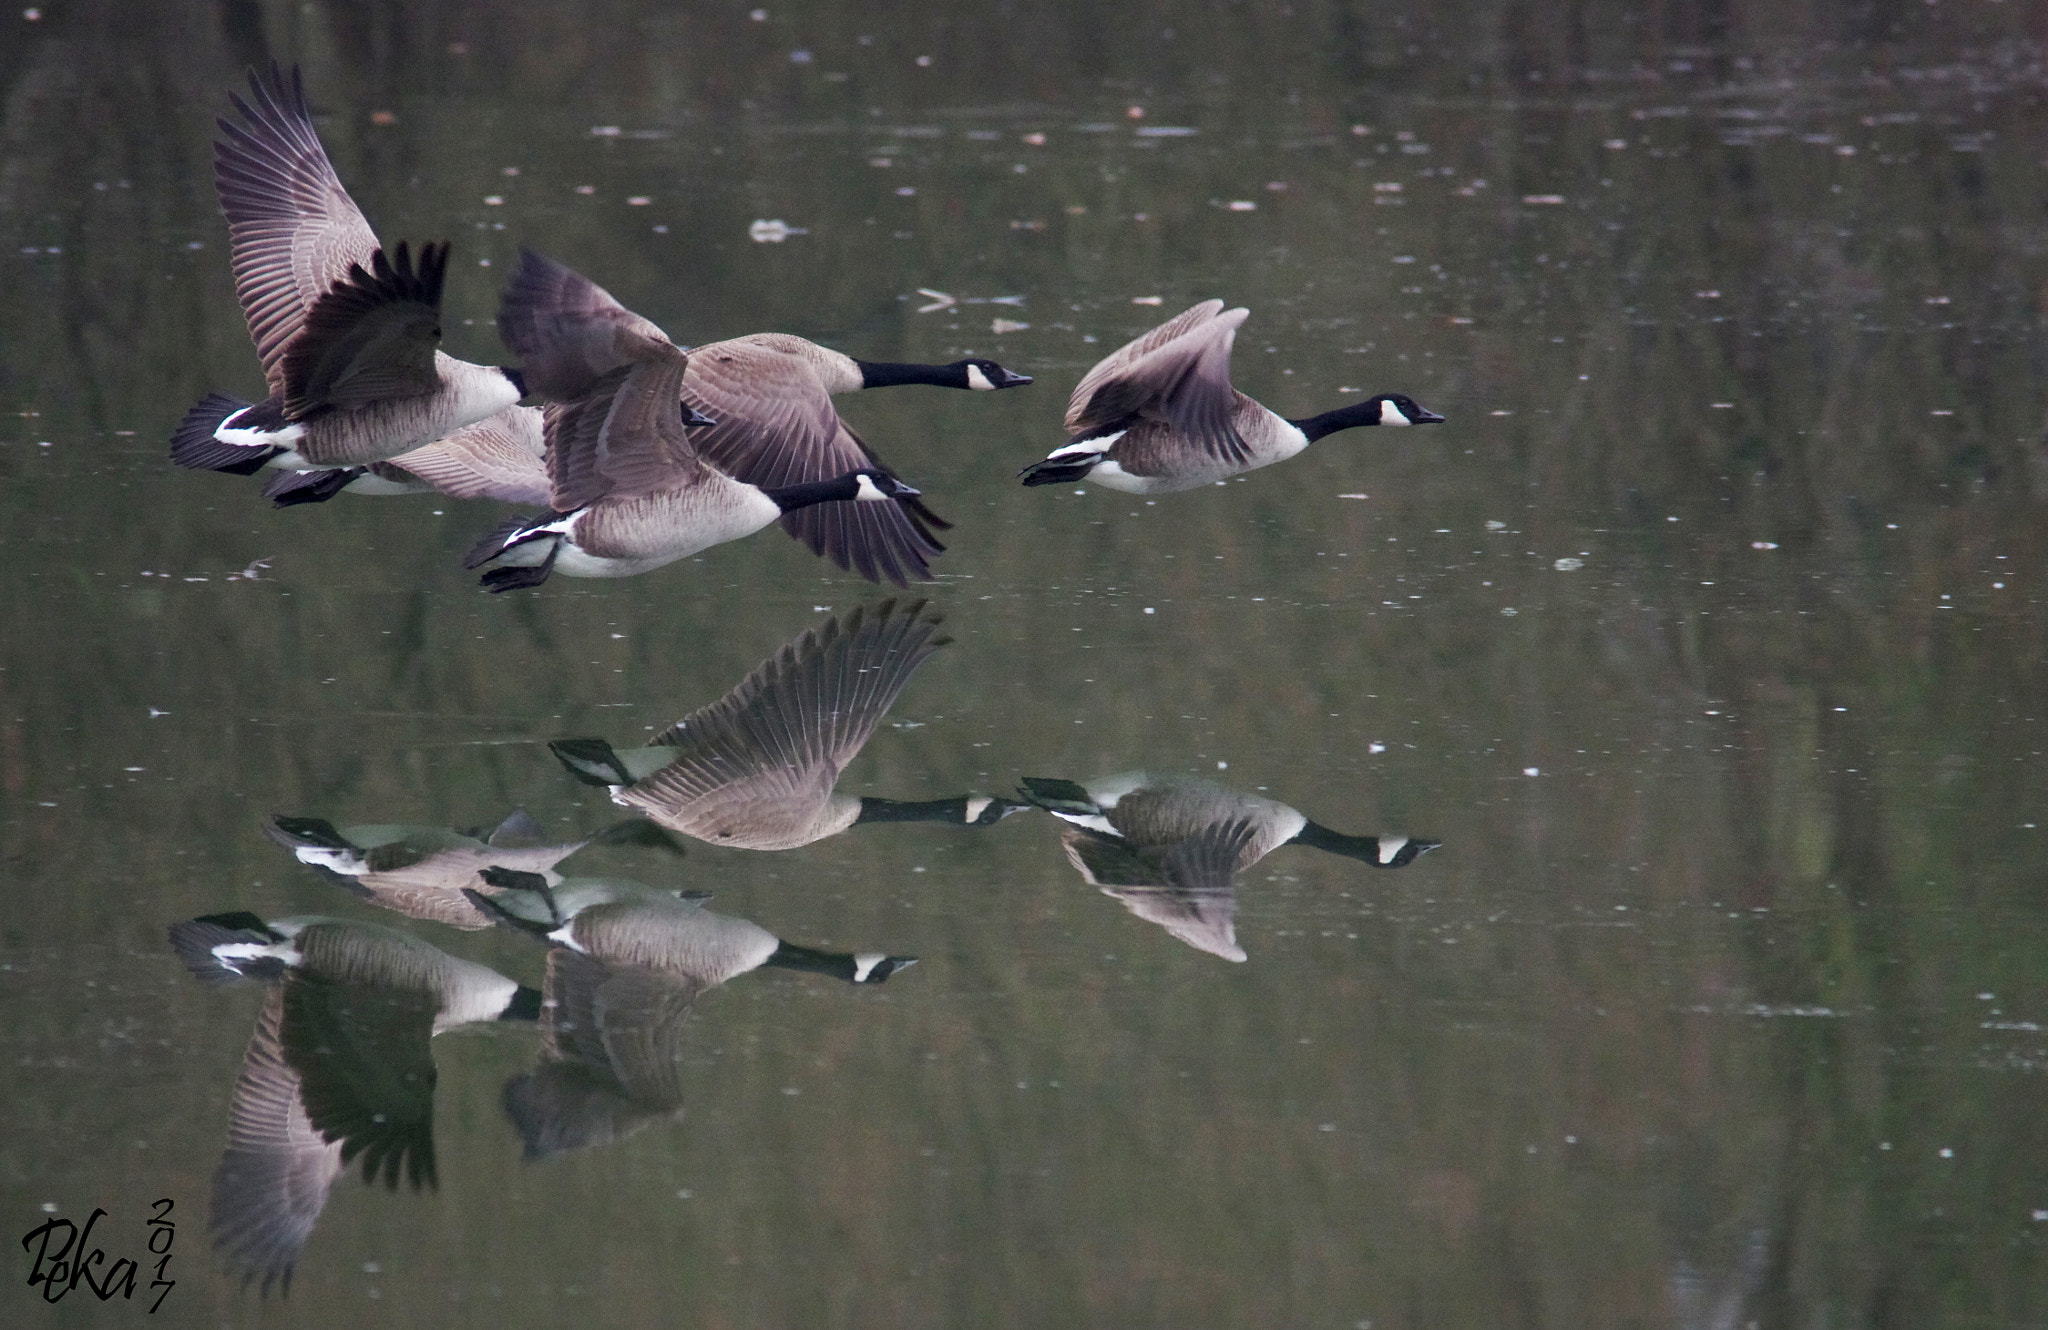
<point x="250" y="951"/>
<point x="346" y="862"/>
<point x="1092" y="821"/>
<point x="868" y="492"/>
<point x="977" y="380"/>
<point x="1391" y="847"/>
<point x="256" y="438"/>
<point x="566" y="935"/>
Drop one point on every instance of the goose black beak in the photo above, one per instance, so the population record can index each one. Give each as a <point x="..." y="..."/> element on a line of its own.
<point x="692" y="417"/>
<point x="1428" y="417"/>
<point x="1011" y="379"/>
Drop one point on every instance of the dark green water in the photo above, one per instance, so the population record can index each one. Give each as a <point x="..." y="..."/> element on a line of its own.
<point x="1723" y="1002"/>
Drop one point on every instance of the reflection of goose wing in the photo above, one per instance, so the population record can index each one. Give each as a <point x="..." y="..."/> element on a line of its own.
<point x="273" y="1178"/>
<point x="756" y="768"/>
<point x="611" y="1039"/>
<point x="1207" y="860"/>
<point x="1186" y="889"/>
<point x="366" y="1072"/>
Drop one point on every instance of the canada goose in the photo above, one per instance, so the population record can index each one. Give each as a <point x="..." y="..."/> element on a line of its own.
<point x="420" y="872"/>
<point x="1159" y="414"/>
<point x="628" y="490"/>
<point x="1169" y="847"/>
<point x="349" y="332"/>
<point x="500" y="457"/>
<point x="771" y="394"/>
<point x="755" y="770"/>
<point x="338" y="1068"/>
<point x="628" y="964"/>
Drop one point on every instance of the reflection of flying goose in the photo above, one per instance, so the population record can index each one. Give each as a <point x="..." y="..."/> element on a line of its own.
<point x="338" y="1068"/>
<point x="499" y="457"/>
<point x="349" y="333"/>
<point x="1169" y="847"/>
<point x="1159" y="414"/>
<point x="771" y="395"/>
<point x="628" y="489"/>
<point x="756" y="768"/>
<point x="421" y="871"/>
<point x="628" y="963"/>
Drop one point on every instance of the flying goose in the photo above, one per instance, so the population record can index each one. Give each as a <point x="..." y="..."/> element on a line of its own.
<point x="771" y="394"/>
<point x="1170" y="847"/>
<point x="421" y="872"/>
<point x="500" y="457"/>
<point x="338" y="1068"/>
<point x="627" y="964"/>
<point x="349" y="332"/>
<point x="755" y="770"/>
<point x="1159" y="414"/>
<point x="628" y="489"/>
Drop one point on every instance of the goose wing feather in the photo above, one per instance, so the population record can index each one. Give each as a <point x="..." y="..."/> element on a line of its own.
<point x="500" y="457"/>
<point x="777" y="426"/>
<point x="293" y="231"/>
<point x="1178" y="373"/>
<point x="792" y="725"/>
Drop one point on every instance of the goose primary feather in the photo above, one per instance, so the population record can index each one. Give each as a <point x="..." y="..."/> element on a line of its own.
<point x="348" y="331"/>
<point x="1159" y="414"/>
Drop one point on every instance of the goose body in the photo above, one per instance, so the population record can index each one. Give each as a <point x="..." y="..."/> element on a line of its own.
<point x="500" y="457"/>
<point x="1169" y="848"/>
<point x="770" y="394"/>
<point x="422" y="872"/>
<point x="756" y="770"/>
<point x="1159" y="414"/>
<point x="629" y="490"/>
<point x="338" y="1069"/>
<point x="347" y="330"/>
<point x="627" y="964"/>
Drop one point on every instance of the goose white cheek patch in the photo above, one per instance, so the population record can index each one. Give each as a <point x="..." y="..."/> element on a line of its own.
<point x="977" y="380"/>
<point x="1391" y="415"/>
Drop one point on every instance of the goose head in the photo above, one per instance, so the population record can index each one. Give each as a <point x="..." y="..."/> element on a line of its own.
<point x="983" y="375"/>
<point x="876" y="486"/>
<point x="1399" y="409"/>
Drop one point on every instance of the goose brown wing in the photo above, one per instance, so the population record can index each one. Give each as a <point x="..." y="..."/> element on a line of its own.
<point x="272" y="1180"/>
<point x="614" y="420"/>
<point x="1178" y="373"/>
<point x="293" y="231"/>
<point x="370" y="337"/>
<point x="777" y="426"/>
<point x="499" y="457"/>
<point x="1209" y="859"/>
<point x="366" y="1072"/>
<point x="798" y="719"/>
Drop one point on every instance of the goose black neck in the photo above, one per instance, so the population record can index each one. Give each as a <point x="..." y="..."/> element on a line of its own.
<point x="1344" y="417"/>
<point x="789" y="498"/>
<point x="1365" y="849"/>
<point x="789" y="956"/>
<point x="928" y="810"/>
<point x="524" y="1006"/>
<point x="887" y="374"/>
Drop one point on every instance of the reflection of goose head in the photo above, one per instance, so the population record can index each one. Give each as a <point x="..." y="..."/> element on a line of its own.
<point x="755" y="770"/>
<point x="1169" y="847"/>
<point x="420" y="872"/>
<point x="338" y="1069"/>
<point x="628" y="962"/>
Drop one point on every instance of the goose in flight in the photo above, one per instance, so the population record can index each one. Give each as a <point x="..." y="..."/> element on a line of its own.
<point x="349" y="331"/>
<point x="1159" y="415"/>
<point x="629" y="490"/>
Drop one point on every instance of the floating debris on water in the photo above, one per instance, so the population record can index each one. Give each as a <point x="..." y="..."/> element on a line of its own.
<point x="1569" y="565"/>
<point x="1007" y="326"/>
<point x="773" y="231"/>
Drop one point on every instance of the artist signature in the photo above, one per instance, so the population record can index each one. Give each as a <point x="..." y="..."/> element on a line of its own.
<point x="74" y="1261"/>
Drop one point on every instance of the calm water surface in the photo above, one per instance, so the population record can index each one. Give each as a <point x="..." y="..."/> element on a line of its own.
<point x="1707" y="636"/>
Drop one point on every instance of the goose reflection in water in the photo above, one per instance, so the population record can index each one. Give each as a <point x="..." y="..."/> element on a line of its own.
<point x="421" y="872"/>
<point x="756" y="769"/>
<point x="626" y="965"/>
<point x="338" y="1069"/>
<point x="1170" y="847"/>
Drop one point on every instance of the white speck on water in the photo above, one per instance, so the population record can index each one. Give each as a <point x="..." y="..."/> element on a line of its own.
<point x="1884" y="1145"/>
<point x="1375" y="747"/>
<point x="773" y="231"/>
<point x="134" y="768"/>
<point x="1569" y="565"/>
<point x="1671" y="519"/>
<point x="1354" y="496"/>
<point x="1946" y="1153"/>
<point x="791" y="1091"/>
<point x="1532" y="771"/>
<point x="1841" y="708"/>
<point x="1509" y="612"/>
<point x="1763" y="544"/>
<point x="1150" y="610"/>
<point x="1242" y="205"/>
<point x="820" y="609"/>
<point x="684" y="1194"/>
<point x="2041" y="1216"/>
<point x="1223" y="766"/>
